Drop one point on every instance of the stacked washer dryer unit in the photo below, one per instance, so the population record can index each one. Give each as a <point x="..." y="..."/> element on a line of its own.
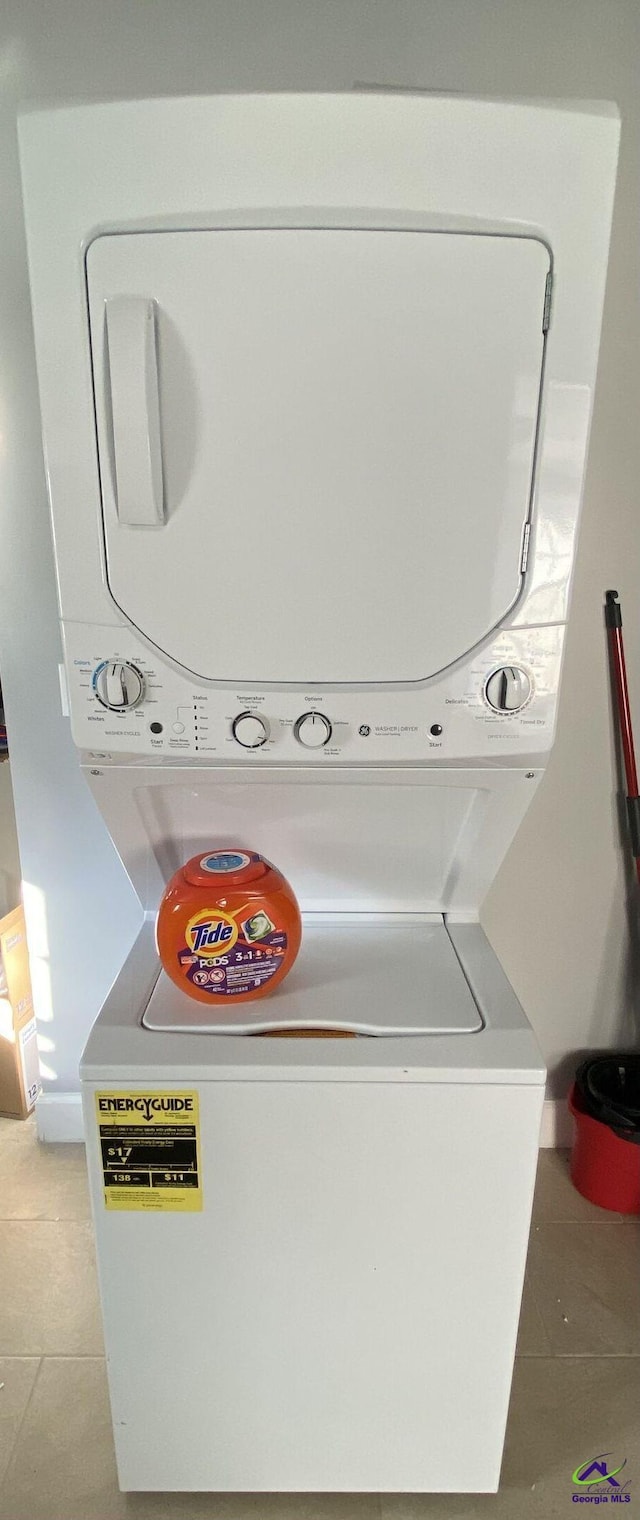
<point x="316" y="379"/>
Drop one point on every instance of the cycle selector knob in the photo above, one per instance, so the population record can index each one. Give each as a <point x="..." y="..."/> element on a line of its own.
<point x="312" y="730"/>
<point x="118" y="685"/>
<point x="508" y="689"/>
<point x="250" y="730"/>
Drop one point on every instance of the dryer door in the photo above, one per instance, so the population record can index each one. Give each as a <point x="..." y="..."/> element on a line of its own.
<point x="316" y="446"/>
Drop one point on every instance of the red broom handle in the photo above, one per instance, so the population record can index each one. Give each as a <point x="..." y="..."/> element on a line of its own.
<point x="613" y="620"/>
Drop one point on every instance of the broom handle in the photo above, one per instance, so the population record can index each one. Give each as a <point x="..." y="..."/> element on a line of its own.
<point x="613" y="621"/>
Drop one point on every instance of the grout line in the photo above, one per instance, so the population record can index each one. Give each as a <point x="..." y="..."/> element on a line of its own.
<point x="39" y="1219"/>
<point x="33" y="1219"/>
<point x="587" y="1224"/>
<point x="52" y="1356"/>
<point x="597" y="1356"/>
<point x="21" y="1422"/>
<point x="578" y="1356"/>
<point x="73" y="1356"/>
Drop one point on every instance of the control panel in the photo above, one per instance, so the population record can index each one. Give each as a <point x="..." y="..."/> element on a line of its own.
<point x="500" y="703"/>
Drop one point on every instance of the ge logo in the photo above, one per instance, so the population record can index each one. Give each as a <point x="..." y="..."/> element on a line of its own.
<point x="364" y="730"/>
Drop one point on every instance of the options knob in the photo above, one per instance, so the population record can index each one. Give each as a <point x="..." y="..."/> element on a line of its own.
<point x="250" y="730"/>
<point x="118" y="685"/>
<point x="507" y="689"/>
<point x="313" y="730"/>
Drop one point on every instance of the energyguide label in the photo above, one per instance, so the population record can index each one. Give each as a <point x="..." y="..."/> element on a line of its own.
<point x="150" y="1150"/>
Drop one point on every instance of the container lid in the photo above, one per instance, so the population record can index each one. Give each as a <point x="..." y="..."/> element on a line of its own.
<point x="227" y="867"/>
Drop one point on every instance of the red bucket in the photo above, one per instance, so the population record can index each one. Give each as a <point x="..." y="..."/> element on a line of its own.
<point x="604" y="1167"/>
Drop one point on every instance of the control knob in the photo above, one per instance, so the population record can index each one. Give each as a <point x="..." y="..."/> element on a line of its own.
<point x="250" y="730"/>
<point x="507" y="689"/>
<point x="118" y="685"/>
<point x="312" y="730"/>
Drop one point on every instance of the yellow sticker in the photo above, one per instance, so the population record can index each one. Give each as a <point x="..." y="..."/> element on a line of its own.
<point x="150" y="1144"/>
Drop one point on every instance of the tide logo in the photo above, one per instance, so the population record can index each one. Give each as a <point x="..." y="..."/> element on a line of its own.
<point x="211" y="933"/>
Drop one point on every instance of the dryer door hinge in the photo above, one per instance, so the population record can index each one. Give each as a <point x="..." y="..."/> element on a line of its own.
<point x="525" y="548"/>
<point x="546" y="309"/>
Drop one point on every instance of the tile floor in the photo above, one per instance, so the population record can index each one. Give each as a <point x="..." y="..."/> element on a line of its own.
<point x="576" y="1389"/>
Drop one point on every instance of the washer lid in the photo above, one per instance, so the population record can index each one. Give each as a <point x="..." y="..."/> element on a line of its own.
<point x="316" y="445"/>
<point x="372" y="976"/>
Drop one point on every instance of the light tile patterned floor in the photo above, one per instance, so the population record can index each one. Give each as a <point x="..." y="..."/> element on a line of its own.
<point x="576" y="1388"/>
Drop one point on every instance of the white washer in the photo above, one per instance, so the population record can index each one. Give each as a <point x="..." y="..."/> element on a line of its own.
<point x="315" y="472"/>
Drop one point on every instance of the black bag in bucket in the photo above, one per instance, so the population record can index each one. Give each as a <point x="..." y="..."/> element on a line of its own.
<point x="609" y="1086"/>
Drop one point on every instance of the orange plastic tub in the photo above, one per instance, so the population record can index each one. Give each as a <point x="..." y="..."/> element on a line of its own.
<point x="228" y="927"/>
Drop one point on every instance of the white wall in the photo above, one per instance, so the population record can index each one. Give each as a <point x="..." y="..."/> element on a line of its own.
<point x="9" y="857"/>
<point x="558" y="914"/>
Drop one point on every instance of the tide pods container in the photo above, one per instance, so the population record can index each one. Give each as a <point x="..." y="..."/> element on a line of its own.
<point x="228" y="927"/>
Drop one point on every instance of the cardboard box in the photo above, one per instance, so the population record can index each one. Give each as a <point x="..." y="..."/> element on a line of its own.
<point x="19" y="1064"/>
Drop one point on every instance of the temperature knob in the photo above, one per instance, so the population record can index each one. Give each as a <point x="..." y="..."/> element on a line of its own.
<point x="250" y="730"/>
<point x="313" y="730"/>
<point x="118" y="685"/>
<point x="507" y="689"/>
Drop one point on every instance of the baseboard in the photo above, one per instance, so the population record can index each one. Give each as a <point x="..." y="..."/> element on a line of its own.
<point x="556" y="1129"/>
<point x="59" y="1118"/>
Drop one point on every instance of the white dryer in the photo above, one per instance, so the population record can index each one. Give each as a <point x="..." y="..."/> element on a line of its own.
<point x="316" y="378"/>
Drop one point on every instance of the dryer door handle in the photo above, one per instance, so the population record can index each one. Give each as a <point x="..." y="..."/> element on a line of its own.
<point x="132" y="366"/>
